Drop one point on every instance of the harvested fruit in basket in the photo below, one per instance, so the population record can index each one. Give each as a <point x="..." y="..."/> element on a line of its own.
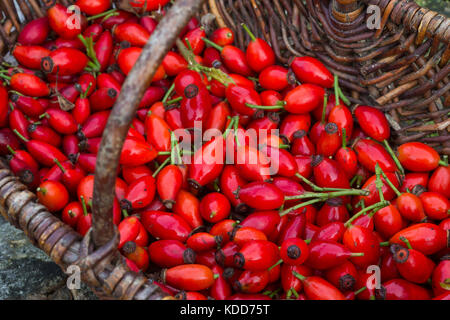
<point x="291" y="193"/>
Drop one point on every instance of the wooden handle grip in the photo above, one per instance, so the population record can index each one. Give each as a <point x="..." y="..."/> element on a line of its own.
<point x="124" y="110"/>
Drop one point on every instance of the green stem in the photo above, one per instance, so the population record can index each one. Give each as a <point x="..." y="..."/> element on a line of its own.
<point x="443" y="163"/>
<point x="357" y="254"/>
<point x="278" y="105"/>
<point x="236" y="128"/>
<point x="353" y="180"/>
<point x="16" y="92"/>
<point x="295" y="292"/>
<point x="329" y="195"/>
<point x="103" y="14"/>
<point x="168" y="93"/>
<point x="89" y="44"/>
<point x="406" y="241"/>
<point x="324" y="108"/>
<point x="230" y="125"/>
<point x="109" y="16"/>
<point x="173" y="142"/>
<point x="5" y="77"/>
<point x="379" y="183"/>
<point x="389" y="182"/>
<point x="298" y="276"/>
<point x="445" y="160"/>
<point x="11" y="150"/>
<point x="59" y="165"/>
<point x="343" y="97"/>
<point x="384" y="244"/>
<point x="394" y="157"/>
<point x="344" y="138"/>
<point x="375" y="206"/>
<point x="125" y="213"/>
<point x="20" y="136"/>
<point x="276" y="264"/>
<point x="161" y="167"/>
<point x="336" y="89"/>
<point x="189" y="44"/>
<point x="168" y="103"/>
<point x="83" y="204"/>
<point x="44" y="115"/>
<point x="360" y="290"/>
<point x="83" y="95"/>
<point x="252" y="36"/>
<point x="316" y="187"/>
<point x="301" y="205"/>
<point x="212" y="44"/>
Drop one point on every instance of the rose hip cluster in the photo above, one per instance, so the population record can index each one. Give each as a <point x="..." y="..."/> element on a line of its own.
<point x="341" y="200"/>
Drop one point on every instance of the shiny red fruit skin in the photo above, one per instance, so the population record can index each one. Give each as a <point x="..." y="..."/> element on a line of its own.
<point x="388" y="221"/>
<point x="53" y="195"/>
<point x="343" y="276"/>
<point x="128" y="230"/>
<point x="192" y="277"/>
<point x="427" y="238"/>
<point x="133" y="33"/>
<point x="418" y="157"/>
<point x="333" y="231"/>
<point x="413" y="265"/>
<point x="259" y="55"/>
<point x="373" y="122"/>
<point x="93" y="7"/>
<point x="35" y="32"/>
<point x="304" y="98"/>
<point x="413" y="179"/>
<point x="317" y="288"/>
<point x="141" y="192"/>
<point x="328" y="173"/>
<point x="370" y="153"/>
<point x="220" y="290"/>
<point x="400" y="289"/>
<point x="387" y="191"/>
<point x="334" y="210"/>
<point x="361" y="239"/>
<point x="410" y="207"/>
<point x="294" y="251"/>
<point x="261" y="195"/>
<point x="440" y="274"/>
<point x="288" y="280"/>
<point x="187" y="207"/>
<point x="436" y="205"/>
<point x="214" y="207"/>
<point x="166" y="226"/>
<point x="252" y="281"/>
<point x="440" y="181"/>
<point x="311" y="70"/>
<point x="257" y="255"/>
<point x="206" y="164"/>
<point x="170" y="253"/>
<point x="326" y="254"/>
<point x="274" y="78"/>
<point x="265" y="221"/>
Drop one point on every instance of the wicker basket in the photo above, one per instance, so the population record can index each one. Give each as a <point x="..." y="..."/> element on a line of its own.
<point x="401" y="68"/>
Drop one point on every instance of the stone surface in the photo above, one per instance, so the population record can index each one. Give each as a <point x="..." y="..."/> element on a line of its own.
<point x="27" y="273"/>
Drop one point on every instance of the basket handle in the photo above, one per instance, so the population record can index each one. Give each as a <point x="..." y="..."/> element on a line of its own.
<point x="346" y="10"/>
<point x="161" y="41"/>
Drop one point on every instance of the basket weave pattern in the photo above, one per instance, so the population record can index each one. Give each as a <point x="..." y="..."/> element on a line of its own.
<point x="402" y="68"/>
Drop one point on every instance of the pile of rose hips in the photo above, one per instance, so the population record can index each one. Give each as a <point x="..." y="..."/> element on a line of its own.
<point x="221" y="230"/>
